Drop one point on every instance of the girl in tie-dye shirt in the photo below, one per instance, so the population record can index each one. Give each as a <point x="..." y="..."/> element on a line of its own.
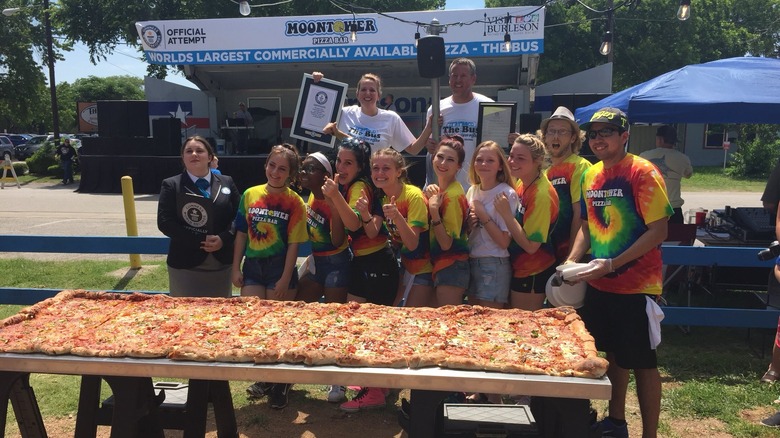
<point x="448" y="208"/>
<point x="405" y="212"/>
<point x="329" y="244"/>
<point x="270" y="223"/>
<point x="531" y="250"/>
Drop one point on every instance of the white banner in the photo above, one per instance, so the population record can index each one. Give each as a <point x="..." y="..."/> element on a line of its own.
<point x="326" y="38"/>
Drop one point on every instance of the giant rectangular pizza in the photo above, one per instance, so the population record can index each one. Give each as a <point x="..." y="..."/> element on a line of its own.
<point x="246" y="329"/>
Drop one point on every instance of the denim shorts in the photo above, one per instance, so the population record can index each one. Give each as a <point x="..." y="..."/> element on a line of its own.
<point x="456" y="274"/>
<point x="333" y="271"/>
<point x="266" y="272"/>
<point x="490" y="277"/>
<point x="424" y="279"/>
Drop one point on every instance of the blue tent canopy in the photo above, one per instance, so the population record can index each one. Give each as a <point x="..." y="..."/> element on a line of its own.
<point x="734" y="90"/>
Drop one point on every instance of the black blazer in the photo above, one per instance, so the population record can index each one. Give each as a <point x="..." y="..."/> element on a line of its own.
<point x="184" y="250"/>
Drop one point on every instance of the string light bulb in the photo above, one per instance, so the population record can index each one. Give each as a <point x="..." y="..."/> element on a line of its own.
<point x="353" y="33"/>
<point x="606" y="44"/>
<point x="243" y="8"/>
<point x="507" y="42"/>
<point x="684" y="11"/>
<point x="416" y="38"/>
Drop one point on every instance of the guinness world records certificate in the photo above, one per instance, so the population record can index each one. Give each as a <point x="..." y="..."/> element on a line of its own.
<point x="318" y="104"/>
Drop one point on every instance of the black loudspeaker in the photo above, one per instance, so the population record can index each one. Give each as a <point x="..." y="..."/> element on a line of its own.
<point x="167" y="136"/>
<point x="530" y="123"/>
<point x="430" y="57"/>
<point x="123" y="118"/>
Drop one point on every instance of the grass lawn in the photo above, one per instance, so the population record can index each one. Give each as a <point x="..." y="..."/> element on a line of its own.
<point x="714" y="179"/>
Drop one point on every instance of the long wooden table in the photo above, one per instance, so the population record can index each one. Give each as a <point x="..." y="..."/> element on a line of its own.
<point x="427" y="384"/>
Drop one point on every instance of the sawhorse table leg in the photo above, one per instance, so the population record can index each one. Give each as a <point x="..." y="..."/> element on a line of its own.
<point x="200" y="393"/>
<point x="15" y="386"/>
<point x="135" y="408"/>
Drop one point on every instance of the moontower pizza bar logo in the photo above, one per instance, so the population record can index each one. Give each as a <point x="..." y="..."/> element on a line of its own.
<point x="334" y="31"/>
<point x="517" y="24"/>
<point x="601" y="198"/>
<point x="151" y="35"/>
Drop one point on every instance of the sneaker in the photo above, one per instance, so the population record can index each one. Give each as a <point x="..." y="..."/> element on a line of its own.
<point x="610" y="429"/>
<point x="367" y="398"/>
<point x="337" y="394"/>
<point x="278" y="398"/>
<point x="773" y="421"/>
<point x="259" y="389"/>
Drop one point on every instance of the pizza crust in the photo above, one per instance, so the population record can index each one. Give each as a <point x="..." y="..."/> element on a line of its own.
<point x="247" y="329"/>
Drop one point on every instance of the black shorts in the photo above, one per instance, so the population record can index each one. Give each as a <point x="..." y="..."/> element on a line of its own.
<point x="619" y="324"/>
<point x="375" y="277"/>
<point x="534" y="283"/>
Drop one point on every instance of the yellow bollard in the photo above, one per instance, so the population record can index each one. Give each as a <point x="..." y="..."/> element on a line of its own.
<point x="128" y="198"/>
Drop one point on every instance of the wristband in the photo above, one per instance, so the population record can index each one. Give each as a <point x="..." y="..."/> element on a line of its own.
<point x="609" y="264"/>
<point x="365" y="222"/>
<point x="489" y="220"/>
<point x="434" y="223"/>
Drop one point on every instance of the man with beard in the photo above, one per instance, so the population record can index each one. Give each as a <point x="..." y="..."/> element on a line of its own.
<point x="563" y="140"/>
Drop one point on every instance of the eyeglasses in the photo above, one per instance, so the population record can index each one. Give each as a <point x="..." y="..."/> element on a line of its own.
<point x="557" y="132"/>
<point x="603" y="133"/>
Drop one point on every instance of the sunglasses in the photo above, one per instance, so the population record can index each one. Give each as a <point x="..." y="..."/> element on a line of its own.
<point x="603" y="133"/>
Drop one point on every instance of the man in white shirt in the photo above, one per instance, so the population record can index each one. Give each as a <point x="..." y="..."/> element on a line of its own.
<point x="460" y="113"/>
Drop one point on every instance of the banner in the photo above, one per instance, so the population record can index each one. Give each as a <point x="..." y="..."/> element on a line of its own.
<point x="327" y="38"/>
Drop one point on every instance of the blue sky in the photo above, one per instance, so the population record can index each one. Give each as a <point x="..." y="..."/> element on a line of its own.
<point x="124" y="60"/>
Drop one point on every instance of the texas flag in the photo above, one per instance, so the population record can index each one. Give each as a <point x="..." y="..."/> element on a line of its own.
<point x="180" y="110"/>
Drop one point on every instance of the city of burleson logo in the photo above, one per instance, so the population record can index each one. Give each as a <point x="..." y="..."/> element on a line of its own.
<point x="517" y="24"/>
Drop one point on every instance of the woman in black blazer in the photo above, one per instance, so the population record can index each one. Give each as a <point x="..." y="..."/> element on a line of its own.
<point x="199" y="221"/>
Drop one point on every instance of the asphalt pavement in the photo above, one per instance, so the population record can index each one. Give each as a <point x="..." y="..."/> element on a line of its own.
<point x="56" y="209"/>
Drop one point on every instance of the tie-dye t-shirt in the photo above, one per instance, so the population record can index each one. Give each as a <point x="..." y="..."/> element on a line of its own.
<point x="414" y="207"/>
<point x="318" y="217"/>
<point x="453" y="210"/>
<point x="271" y="221"/>
<point x="566" y="177"/>
<point x="537" y="213"/>
<point x="360" y="242"/>
<point x="618" y="203"/>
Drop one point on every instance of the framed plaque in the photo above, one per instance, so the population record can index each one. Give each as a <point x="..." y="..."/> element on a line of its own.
<point x="496" y="121"/>
<point x="318" y="105"/>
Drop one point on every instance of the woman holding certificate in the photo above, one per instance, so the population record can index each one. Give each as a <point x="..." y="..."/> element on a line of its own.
<point x="368" y="123"/>
<point x="196" y="210"/>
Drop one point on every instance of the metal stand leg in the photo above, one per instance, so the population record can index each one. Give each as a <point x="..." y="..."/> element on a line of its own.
<point x="561" y="417"/>
<point x="424" y="413"/>
<point x="15" y="386"/>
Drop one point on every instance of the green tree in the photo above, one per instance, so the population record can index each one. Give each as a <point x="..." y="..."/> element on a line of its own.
<point x="91" y="89"/>
<point x="648" y="39"/>
<point x="22" y="81"/>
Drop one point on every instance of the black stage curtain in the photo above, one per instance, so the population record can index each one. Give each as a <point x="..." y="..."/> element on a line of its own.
<point x="103" y="173"/>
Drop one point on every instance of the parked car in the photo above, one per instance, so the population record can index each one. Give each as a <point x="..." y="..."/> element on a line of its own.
<point x="6" y="148"/>
<point x="18" y="139"/>
<point x="28" y="149"/>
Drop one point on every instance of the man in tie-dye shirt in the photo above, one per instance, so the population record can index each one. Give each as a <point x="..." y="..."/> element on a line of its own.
<point x="562" y="139"/>
<point x="625" y="211"/>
